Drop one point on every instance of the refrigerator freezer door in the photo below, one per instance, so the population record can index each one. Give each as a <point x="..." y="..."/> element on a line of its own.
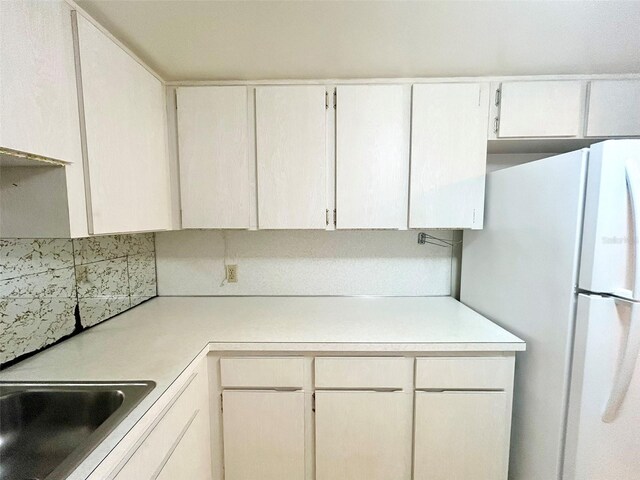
<point x="521" y="271"/>
<point x="603" y="448"/>
<point x="608" y="263"/>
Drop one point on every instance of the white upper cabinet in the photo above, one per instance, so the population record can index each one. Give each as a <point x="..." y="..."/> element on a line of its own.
<point x="38" y="95"/>
<point x="126" y="134"/>
<point x="614" y="108"/>
<point x="372" y="156"/>
<point x="448" y="155"/>
<point x="540" y="109"/>
<point x="214" y="164"/>
<point x="291" y="157"/>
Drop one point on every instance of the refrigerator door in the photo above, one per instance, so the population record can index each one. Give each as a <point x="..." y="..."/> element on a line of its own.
<point x="521" y="271"/>
<point x="611" y="223"/>
<point x="603" y="443"/>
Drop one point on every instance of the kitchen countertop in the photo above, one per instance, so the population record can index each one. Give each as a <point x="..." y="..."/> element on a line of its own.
<point x="158" y="339"/>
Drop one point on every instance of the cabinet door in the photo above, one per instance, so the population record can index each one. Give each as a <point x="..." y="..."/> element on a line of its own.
<point x="372" y="156"/>
<point x="191" y="458"/>
<point x="541" y="109"/>
<point x="38" y="97"/>
<point x="185" y="420"/>
<point x="461" y="435"/>
<point x="214" y="167"/>
<point x="263" y="435"/>
<point x="448" y="155"/>
<point x="291" y="157"/>
<point x="614" y="108"/>
<point x="363" y="435"/>
<point x="126" y="135"/>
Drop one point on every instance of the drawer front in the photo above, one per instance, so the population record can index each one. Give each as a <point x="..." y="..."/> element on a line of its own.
<point x="151" y="454"/>
<point x="363" y="372"/>
<point x="464" y="373"/>
<point x="277" y="372"/>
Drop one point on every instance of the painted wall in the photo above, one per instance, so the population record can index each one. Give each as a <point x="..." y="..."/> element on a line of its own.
<point x="191" y="262"/>
<point x="498" y="161"/>
<point x="53" y="288"/>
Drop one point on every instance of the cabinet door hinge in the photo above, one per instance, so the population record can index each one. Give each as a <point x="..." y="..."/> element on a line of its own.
<point x="335" y="218"/>
<point x="175" y="97"/>
<point x="221" y="403"/>
<point x="335" y="99"/>
<point x="313" y="402"/>
<point x="326" y="217"/>
<point x="326" y="100"/>
<point x="498" y="96"/>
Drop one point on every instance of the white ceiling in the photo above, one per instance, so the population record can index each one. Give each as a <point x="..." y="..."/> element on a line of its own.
<point x="211" y="40"/>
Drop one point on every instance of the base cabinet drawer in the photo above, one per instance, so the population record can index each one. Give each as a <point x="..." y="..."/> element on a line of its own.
<point x="363" y="435"/>
<point x="263" y="435"/>
<point x="464" y="373"/>
<point x="391" y="373"/>
<point x="260" y="372"/>
<point x="461" y="436"/>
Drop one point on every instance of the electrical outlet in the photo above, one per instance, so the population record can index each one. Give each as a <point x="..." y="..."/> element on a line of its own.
<point x="232" y="273"/>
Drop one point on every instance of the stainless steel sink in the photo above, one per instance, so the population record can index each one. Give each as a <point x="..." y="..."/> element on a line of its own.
<point x="47" y="429"/>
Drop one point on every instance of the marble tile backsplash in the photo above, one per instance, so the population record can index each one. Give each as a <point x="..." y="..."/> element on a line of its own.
<point x="42" y="281"/>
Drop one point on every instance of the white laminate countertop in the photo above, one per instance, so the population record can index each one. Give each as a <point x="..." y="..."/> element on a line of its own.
<point x="158" y="339"/>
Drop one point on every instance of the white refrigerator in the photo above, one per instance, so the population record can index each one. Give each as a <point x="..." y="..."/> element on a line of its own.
<point x="558" y="264"/>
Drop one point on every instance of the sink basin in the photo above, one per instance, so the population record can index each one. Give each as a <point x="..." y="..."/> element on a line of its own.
<point x="47" y="429"/>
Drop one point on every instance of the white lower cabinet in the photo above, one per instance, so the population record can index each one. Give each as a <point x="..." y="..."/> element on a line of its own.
<point x="264" y="433"/>
<point x="190" y="458"/>
<point x="461" y="435"/>
<point x="363" y="435"/>
<point x="302" y="417"/>
<point x="371" y="418"/>
<point x="178" y="445"/>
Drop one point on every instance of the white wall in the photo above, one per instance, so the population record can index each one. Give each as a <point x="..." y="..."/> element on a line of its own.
<point x="191" y="262"/>
<point x="498" y="161"/>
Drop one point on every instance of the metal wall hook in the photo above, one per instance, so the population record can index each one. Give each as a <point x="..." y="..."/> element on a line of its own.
<point x="426" y="238"/>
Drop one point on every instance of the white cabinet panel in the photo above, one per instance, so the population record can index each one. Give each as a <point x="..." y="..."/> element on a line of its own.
<point x="448" y="155"/>
<point x="38" y="97"/>
<point x="363" y="372"/>
<point x="541" y="109"/>
<point x="263" y="435"/>
<point x="262" y="372"/>
<point x="191" y="458"/>
<point x="126" y="133"/>
<point x="189" y="412"/>
<point x="614" y="108"/>
<point x="450" y="373"/>
<point x="460" y="436"/>
<point x="291" y="157"/>
<point x="372" y="156"/>
<point x="214" y="164"/>
<point x="363" y="435"/>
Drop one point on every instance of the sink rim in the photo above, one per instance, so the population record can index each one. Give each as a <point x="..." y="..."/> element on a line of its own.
<point x="134" y="391"/>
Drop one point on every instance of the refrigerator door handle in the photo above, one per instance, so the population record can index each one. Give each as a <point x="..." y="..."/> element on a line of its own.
<point x="626" y="367"/>
<point x="633" y="183"/>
